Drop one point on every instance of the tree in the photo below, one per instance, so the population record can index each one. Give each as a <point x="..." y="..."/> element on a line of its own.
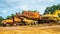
<point x="1" y="19"/>
<point x="32" y="10"/>
<point x="52" y="9"/>
<point x="12" y="15"/>
<point x="35" y="10"/>
<point x="8" y="17"/>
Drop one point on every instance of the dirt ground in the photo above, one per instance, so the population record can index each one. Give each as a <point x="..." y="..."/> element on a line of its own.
<point x="30" y="30"/>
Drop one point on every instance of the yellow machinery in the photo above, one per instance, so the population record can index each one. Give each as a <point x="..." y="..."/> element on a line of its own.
<point x="13" y="21"/>
<point x="29" y="21"/>
<point x="33" y="18"/>
<point x="7" y="21"/>
<point x="52" y="17"/>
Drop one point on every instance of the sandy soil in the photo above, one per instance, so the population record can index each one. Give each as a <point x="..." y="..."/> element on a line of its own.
<point x="30" y="30"/>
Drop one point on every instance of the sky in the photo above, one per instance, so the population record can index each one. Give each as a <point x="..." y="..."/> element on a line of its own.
<point x="8" y="7"/>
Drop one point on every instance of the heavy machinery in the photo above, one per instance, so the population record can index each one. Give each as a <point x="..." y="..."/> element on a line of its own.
<point x="33" y="18"/>
<point x="12" y="21"/>
<point x="26" y="18"/>
<point x="29" y="17"/>
<point x="52" y="17"/>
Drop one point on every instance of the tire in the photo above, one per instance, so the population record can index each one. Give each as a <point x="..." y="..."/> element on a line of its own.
<point x="59" y="22"/>
<point x="14" y="24"/>
<point x="8" y="24"/>
<point x="36" y="22"/>
<point x="4" y="24"/>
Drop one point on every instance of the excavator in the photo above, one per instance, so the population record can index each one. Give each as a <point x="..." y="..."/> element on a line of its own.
<point x="52" y="17"/>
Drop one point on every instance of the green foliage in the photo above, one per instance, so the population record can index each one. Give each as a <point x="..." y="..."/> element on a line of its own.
<point x="22" y="11"/>
<point x="32" y="11"/>
<point x="35" y="10"/>
<point x="58" y="15"/>
<point x="12" y="15"/>
<point x="52" y="9"/>
<point x="19" y="13"/>
<point x="29" y="10"/>
<point x="8" y="17"/>
<point x="1" y="19"/>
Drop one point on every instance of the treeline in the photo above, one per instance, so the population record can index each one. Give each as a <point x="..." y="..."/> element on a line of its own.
<point x="52" y="9"/>
<point x="1" y="19"/>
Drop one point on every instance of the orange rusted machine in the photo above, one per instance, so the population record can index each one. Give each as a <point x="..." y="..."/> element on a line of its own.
<point x="30" y="17"/>
<point x="25" y="18"/>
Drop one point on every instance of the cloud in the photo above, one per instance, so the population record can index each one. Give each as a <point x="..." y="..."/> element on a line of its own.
<point x="3" y="13"/>
<point x="24" y="7"/>
<point x="12" y="6"/>
<point x="46" y="0"/>
<point x="9" y="1"/>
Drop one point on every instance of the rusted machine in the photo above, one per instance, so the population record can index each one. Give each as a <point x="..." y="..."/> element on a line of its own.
<point x="13" y="21"/>
<point x="27" y="18"/>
